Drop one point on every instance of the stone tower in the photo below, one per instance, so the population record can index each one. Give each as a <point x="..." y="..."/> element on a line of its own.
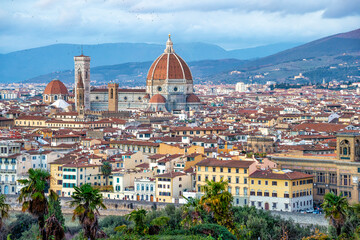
<point x="82" y="66"/>
<point x="113" y="97"/>
<point x="348" y="146"/>
<point x="80" y="94"/>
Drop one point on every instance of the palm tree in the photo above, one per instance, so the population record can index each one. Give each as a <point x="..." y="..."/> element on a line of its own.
<point x="192" y="212"/>
<point x="4" y="210"/>
<point x="138" y="217"/>
<point x="106" y="170"/>
<point x="335" y="208"/>
<point x="218" y="201"/>
<point x="87" y="202"/>
<point x="32" y="196"/>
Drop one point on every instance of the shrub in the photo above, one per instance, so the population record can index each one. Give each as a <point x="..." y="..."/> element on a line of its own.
<point x="216" y="231"/>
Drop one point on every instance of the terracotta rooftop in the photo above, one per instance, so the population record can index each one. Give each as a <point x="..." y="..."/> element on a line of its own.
<point x="271" y="174"/>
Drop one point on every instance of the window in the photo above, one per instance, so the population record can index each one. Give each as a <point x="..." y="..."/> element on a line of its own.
<point x="245" y="180"/>
<point x="286" y="206"/>
<point x="286" y="184"/>
<point x="252" y="182"/>
<point x="229" y="179"/>
<point x="245" y="170"/>
<point x="266" y="182"/>
<point x="229" y="189"/>
<point x="274" y="183"/>
<point x="345" y="180"/>
<point x="274" y="194"/>
<point x="259" y="193"/>
<point x="332" y="178"/>
<point x="320" y="191"/>
<point x="214" y="169"/>
<point x="214" y="178"/>
<point x="320" y="177"/>
<point x="259" y="204"/>
<point x="259" y="182"/>
<point x="237" y="170"/>
<point x="221" y="169"/>
<point x="229" y="170"/>
<point x="199" y="178"/>
<point x="237" y="179"/>
<point x="206" y="169"/>
<point x="274" y="205"/>
<point x="266" y="193"/>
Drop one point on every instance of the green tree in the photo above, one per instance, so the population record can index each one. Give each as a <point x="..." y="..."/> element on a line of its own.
<point x="21" y="224"/>
<point x="87" y="202"/>
<point x="106" y="170"/>
<point x="138" y="217"/>
<point x="192" y="212"/>
<point x="4" y="211"/>
<point x="335" y="208"/>
<point x="218" y="201"/>
<point x="55" y="208"/>
<point x="32" y="196"/>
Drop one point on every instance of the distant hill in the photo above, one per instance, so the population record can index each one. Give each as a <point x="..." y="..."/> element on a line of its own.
<point x="310" y="58"/>
<point x="26" y="64"/>
<point x="134" y="74"/>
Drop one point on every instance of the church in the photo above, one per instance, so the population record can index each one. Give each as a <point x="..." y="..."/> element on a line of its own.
<point x="169" y="88"/>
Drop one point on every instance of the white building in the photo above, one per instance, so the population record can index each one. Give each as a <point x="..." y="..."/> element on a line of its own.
<point x="241" y="87"/>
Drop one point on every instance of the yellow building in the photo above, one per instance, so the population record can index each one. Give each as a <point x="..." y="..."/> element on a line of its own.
<point x="56" y="172"/>
<point x="236" y="172"/>
<point x="30" y="121"/>
<point x="176" y="149"/>
<point x="339" y="173"/>
<point x="281" y="190"/>
<point x="196" y="131"/>
<point x="170" y="186"/>
<point x="129" y="145"/>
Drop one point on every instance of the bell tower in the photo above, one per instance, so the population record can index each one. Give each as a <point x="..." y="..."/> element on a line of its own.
<point x="113" y="97"/>
<point x="82" y="66"/>
<point x="79" y="94"/>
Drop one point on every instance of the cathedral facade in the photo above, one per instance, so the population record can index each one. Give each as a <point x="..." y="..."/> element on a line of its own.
<point x="169" y="87"/>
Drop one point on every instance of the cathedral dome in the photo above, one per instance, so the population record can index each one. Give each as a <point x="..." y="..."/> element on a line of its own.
<point x="169" y="65"/>
<point x="56" y="87"/>
<point x="192" y="98"/>
<point x="157" y="99"/>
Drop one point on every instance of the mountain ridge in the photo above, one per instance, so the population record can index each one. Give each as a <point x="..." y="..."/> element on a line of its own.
<point x="27" y="64"/>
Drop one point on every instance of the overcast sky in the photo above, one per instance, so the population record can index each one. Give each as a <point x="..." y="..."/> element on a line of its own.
<point x="229" y="23"/>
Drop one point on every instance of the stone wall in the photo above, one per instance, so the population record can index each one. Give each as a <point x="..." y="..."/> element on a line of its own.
<point x="121" y="207"/>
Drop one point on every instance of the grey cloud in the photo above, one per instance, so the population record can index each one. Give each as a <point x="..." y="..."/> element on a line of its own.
<point x="342" y="8"/>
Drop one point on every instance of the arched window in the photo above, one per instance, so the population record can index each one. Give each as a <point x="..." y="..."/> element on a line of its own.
<point x="345" y="147"/>
<point x="56" y="97"/>
<point x="112" y="93"/>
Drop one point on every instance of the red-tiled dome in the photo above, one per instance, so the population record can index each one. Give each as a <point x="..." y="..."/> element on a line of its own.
<point x="192" y="98"/>
<point x="157" y="99"/>
<point x="56" y="87"/>
<point x="169" y="65"/>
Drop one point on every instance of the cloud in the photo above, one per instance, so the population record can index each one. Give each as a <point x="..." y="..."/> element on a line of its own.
<point x="231" y="23"/>
<point x="342" y="8"/>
